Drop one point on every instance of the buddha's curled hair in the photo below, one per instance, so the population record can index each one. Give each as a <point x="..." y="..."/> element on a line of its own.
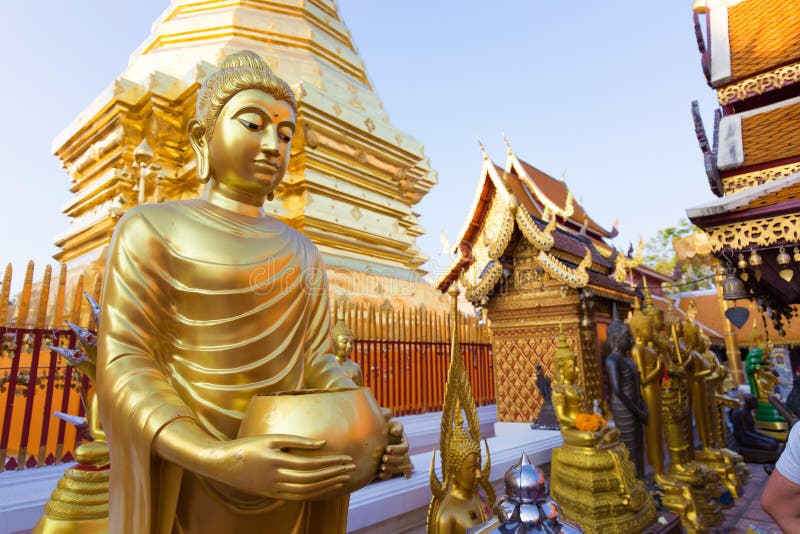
<point x="238" y="72"/>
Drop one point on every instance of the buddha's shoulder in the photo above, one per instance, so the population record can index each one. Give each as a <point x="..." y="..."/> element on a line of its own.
<point x="160" y="216"/>
<point x="177" y="222"/>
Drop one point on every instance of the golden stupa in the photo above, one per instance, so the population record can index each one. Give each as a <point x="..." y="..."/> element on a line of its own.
<point x="354" y="178"/>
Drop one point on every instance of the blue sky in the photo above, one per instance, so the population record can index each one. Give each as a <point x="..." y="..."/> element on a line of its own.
<point x="600" y="91"/>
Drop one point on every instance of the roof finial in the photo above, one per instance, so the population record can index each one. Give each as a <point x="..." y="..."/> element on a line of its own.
<point x="508" y="145"/>
<point x="483" y="149"/>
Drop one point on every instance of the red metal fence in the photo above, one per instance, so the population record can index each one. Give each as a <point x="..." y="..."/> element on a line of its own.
<point x="34" y="383"/>
<point x="406" y="376"/>
<point x="403" y="353"/>
<point x="409" y="376"/>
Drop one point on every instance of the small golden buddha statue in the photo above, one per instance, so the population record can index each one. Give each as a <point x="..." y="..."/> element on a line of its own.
<point x="703" y="482"/>
<point x="343" y="344"/>
<point x="207" y="303"/>
<point x="592" y="479"/>
<point x="702" y="368"/>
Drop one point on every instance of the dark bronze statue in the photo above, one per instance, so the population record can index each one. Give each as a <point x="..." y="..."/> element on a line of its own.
<point x="546" y="419"/>
<point x="746" y="440"/>
<point x="627" y="405"/>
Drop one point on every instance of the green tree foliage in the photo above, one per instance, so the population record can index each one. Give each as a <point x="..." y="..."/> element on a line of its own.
<point x="659" y="254"/>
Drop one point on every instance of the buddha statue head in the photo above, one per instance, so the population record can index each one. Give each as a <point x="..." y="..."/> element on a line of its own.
<point x="565" y="360"/>
<point x="703" y="343"/>
<point x="243" y="128"/>
<point x="641" y="326"/>
<point x="342" y="337"/>
<point x="619" y="334"/>
<point x="464" y="458"/>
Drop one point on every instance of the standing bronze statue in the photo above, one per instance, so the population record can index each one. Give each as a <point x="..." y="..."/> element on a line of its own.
<point x="546" y="420"/>
<point x="627" y="404"/>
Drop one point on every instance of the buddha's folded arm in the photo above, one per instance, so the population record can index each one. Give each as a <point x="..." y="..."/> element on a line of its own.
<point x="322" y="371"/>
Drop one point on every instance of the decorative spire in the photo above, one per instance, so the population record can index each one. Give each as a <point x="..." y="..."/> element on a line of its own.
<point x="508" y="145"/>
<point x="483" y="149"/>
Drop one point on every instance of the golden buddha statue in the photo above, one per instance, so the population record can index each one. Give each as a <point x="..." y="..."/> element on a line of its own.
<point x="717" y="400"/>
<point x="702" y="371"/>
<point x="343" y="345"/>
<point x="206" y="304"/>
<point x="592" y="478"/>
<point x="651" y="370"/>
<point x="456" y="504"/>
<point x="704" y="483"/>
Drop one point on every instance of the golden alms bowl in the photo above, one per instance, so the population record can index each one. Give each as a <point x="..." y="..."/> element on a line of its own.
<point x="347" y="418"/>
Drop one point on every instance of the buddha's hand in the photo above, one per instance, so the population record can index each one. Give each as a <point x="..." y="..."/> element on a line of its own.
<point x="269" y="466"/>
<point x="395" y="460"/>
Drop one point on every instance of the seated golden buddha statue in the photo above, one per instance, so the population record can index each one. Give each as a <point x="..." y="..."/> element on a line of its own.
<point x="343" y="344"/>
<point x="208" y="303"/>
<point x="592" y="478"/>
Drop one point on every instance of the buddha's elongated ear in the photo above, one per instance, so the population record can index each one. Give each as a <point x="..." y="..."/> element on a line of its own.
<point x="197" y="138"/>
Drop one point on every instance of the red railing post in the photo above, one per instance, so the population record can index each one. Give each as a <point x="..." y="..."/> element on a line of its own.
<point x="11" y="393"/>
<point x="48" y="403"/>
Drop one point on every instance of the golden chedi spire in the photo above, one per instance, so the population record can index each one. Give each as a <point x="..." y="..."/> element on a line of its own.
<point x="354" y="179"/>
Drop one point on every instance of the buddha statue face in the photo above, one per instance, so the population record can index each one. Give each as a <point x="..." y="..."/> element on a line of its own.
<point x="249" y="150"/>
<point x="467" y="475"/>
<point x="567" y="371"/>
<point x="344" y="345"/>
<point x="243" y="129"/>
<point x="703" y="343"/>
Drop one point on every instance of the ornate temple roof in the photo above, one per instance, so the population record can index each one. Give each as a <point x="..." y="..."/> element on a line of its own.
<point x="520" y="200"/>
<point x="748" y="38"/>
<point x="752" y="57"/>
<point x="543" y="192"/>
<point x="757" y="44"/>
<point x="771" y="134"/>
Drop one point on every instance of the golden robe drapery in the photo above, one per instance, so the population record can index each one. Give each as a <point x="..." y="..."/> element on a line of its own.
<point x="202" y="308"/>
